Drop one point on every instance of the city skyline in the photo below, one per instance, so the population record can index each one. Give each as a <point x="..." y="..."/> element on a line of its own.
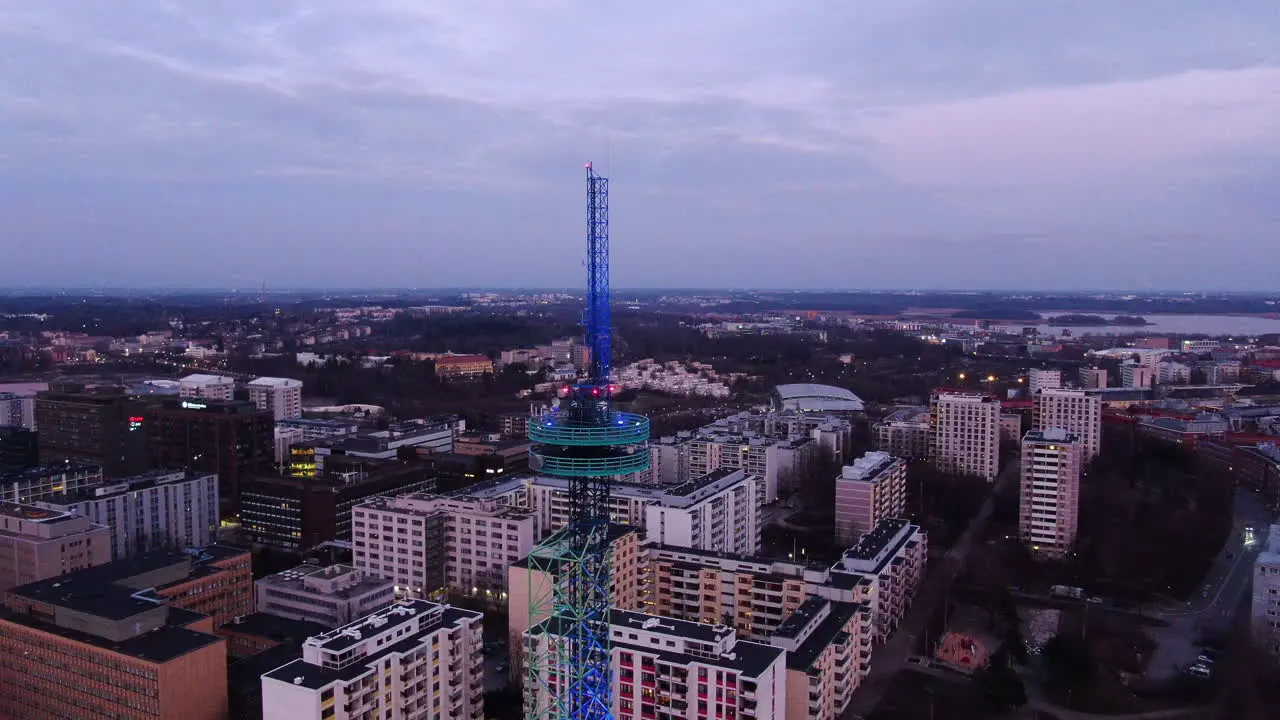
<point x="931" y="145"/>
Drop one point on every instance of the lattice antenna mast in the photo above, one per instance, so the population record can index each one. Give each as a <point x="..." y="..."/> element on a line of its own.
<point x="599" y="325"/>
<point x="587" y="442"/>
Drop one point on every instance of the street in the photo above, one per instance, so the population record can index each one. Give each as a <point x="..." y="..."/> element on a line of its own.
<point x="890" y="657"/>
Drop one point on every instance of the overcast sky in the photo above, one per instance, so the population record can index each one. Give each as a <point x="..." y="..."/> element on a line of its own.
<point x="1126" y="144"/>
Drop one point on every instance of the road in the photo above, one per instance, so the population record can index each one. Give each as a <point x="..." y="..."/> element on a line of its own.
<point x="1221" y="595"/>
<point x="890" y="657"/>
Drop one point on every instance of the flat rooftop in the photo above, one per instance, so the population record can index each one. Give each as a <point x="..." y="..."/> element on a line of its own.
<point x="878" y="540"/>
<point x="158" y="646"/>
<point x="32" y="513"/>
<point x="295" y="579"/>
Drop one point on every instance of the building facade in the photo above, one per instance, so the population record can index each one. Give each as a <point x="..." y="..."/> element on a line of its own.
<point x="1093" y="378"/>
<point x="1265" y="609"/>
<point x="207" y="387"/>
<point x="719" y="512"/>
<point x="229" y="438"/>
<point x="98" y="425"/>
<point x="159" y="509"/>
<point x="1050" y="491"/>
<point x="414" y="660"/>
<point x="1038" y="380"/>
<point x="36" y="544"/>
<point x="1077" y="412"/>
<point x="672" y="669"/>
<point x="872" y="489"/>
<point x="428" y="543"/>
<point x="282" y="397"/>
<point x="40" y="483"/>
<point x="330" y="596"/>
<point x="964" y="433"/>
<point x="463" y="366"/>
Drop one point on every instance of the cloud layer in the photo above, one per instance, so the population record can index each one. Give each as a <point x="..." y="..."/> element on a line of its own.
<point x="928" y="143"/>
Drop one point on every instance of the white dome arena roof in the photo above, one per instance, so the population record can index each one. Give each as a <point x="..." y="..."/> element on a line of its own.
<point x="810" y="396"/>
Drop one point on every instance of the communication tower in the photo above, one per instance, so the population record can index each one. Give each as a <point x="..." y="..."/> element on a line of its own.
<point x="589" y="444"/>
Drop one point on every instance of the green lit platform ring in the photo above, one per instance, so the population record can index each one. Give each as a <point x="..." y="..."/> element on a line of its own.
<point x="623" y="429"/>
<point x="589" y="467"/>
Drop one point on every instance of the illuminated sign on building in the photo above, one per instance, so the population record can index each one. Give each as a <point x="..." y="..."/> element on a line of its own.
<point x="188" y="405"/>
<point x="135" y="422"/>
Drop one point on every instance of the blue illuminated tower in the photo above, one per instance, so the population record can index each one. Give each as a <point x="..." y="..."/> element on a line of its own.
<point x="588" y="443"/>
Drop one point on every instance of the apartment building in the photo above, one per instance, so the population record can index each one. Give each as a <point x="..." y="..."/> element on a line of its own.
<point x="669" y="458"/>
<point x="1092" y="378"/>
<point x="719" y="512"/>
<point x="1264" y="621"/>
<point x="130" y="637"/>
<point x="1076" y="411"/>
<point x="413" y="660"/>
<point x="828" y="648"/>
<point x="330" y="596"/>
<point x="1038" y="380"/>
<point x="1011" y="426"/>
<point x="964" y="433"/>
<point x="752" y="595"/>
<point x="282" y="397"/>
<point x="904" y="433"/>
<point x="427" y="543"/>
<point x="892" y="556"/>
<point x="162" y="508"/>
<point x="31" y="484"/>
<point x="872" y="489"/>
<point x="207" y="387"/>
<point x="36" y="544"/>
<point x="671" y="669"/>
<point x="1133" y="375"/>
<point x="18" y="410"/>
<point x="463" y="366"/>
<point x="435" y="435"/>
<point x="1052" y="461"/>
<point x="779" y="463"/>
<point x="531" y="585"/>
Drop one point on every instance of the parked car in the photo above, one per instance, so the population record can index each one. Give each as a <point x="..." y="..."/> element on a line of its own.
<point x="1199" y="671"/>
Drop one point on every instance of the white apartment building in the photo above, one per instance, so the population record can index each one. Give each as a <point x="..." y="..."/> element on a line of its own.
<point x="669" y="459"/>
<point x="285" y="438"/>
<point x="1168" y="371"/>
<point x="207" y="387"/>
<point x="162" y="508"/>
<point x="1093" y="378"/>
<point x="964" y="433"/>
<point x="693" y="507"/>
<point x="425" y="543"/>
<point x="892" y="556"/>
<point x="669" y="668"/>
<point x="414" y="660"/>
<point x="904" y="433"/>
<point x="1200" y="347"/>
<point x="1265" y="614"/>
<point x="779" y="463"/>
<point x="1038" y="380"/>
<point x="1049" y="502"/>
<point x="719" y="512"/>
<point x="331" y="596"/>
<point x="872" y="489"/>
<point x="1134" y="375"/>
<point x="18" y="410"/>
<point x="281" y="396"/>
<point x="828" y="648"/>
<point x="1076" y="411"/>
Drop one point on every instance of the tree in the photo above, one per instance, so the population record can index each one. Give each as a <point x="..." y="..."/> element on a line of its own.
<point x="999" y="688"/>
<point x="1068" y="665"/>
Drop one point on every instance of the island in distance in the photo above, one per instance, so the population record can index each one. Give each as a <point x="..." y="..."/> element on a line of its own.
<point x="1074" y="319"/>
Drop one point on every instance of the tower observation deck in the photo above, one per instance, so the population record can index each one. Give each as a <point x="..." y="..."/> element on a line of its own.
<point x="588" y="443"/>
